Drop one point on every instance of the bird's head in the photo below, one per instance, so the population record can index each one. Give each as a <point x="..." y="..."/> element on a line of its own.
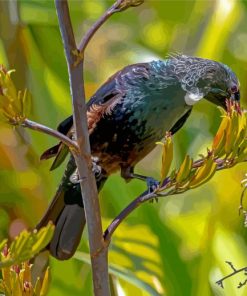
<point x="203" y="78"/>
<point x="220" y="83"/>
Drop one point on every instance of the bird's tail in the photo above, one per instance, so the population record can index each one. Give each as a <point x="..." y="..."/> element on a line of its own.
<point x="67" y="213"/>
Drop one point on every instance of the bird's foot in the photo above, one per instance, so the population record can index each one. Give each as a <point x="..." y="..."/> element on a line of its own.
<point x="155" y="199"/>
<point x="75" y="178"/>
<point x="97" y="170"/>
<point x="152" y="184"/>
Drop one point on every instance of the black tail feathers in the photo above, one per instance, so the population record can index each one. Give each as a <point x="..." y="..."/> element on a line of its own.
<point x="67" y="213"/>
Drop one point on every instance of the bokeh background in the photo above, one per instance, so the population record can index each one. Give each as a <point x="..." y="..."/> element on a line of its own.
<point x="179" y="245"/>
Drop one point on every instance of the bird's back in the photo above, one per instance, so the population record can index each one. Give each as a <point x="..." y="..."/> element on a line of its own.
<point x="130" y="112"/>
<point x="137" y="106"/>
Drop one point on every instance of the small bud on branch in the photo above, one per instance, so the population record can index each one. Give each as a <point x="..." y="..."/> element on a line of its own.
<point x="121" y="5"/>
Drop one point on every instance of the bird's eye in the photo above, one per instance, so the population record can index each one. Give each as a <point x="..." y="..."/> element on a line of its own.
<point x="234" y="89"/>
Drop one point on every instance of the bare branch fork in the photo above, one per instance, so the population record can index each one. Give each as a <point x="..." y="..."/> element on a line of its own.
<point x="233" y="273"/>
<point x="54" y="133"/>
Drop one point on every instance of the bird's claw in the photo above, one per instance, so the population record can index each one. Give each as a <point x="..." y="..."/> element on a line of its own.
<point x="152" y="184"/>
<point x="96" y="169"/>
<point x="155" y="199"/>
<point x="74" y="178"/>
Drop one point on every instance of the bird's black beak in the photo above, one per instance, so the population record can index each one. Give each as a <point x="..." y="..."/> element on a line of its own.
<point x="220" y="98"/>
<point x="235" y="96"/>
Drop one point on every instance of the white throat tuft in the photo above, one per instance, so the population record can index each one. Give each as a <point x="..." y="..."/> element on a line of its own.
<point x="192" y="98"/>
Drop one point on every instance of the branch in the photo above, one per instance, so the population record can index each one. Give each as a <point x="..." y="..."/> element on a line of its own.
<point x="83" y="159"/>
<point x="168" y="184"/>
<point x="74" y="59"/>
<point x="235" y="271"/>
<point x="90" y="33"/>
<point x="145" y="196"/>
<point x="118" y="6"/>
<point x="54" y="133"/>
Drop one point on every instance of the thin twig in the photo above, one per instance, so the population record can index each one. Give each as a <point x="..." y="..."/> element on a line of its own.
<point x="54" y="133"/>
<point x="90" y="33"/>
<point x="118" y="6"/>
<point x="144" y="197"/>
<point x="83" y="160"/>
<point x="220" y="282"/>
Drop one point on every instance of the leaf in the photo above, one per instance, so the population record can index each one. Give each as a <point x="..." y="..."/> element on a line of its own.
<point x="242" y="155"/>
<point x="27" y="244"/>
<point x="237" y="145"/>
<point x="113" y="284"/>
<point x="219" y="149"/>
<point x="7" y="85"/>
<point x="25" y="99"/>
<point x="184" y="170"/>
<point x="20" y="247"/>
<point x="37" y="287"/>
<point x="121" y="273"/>
<point x="220" y="137"/>
<point x="16" y="285"/>
<point x="42" y="238"/>
<point x="2" y="244"/>
<point x="231" y="133"/>
<point x="204" y="173"/>
<point x="46" y="282"/>
<point x="2" y="286"/>
<point x="14" y="106"/>
<point x="167" y="156"/>
<point x="26" y="269"/>
<point x="6" y="279"/>
<point x="60" y="157"/>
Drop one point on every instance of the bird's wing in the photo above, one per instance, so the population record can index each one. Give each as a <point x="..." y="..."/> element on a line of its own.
<point x="100" y="104"/>
<point x="180" y="122"/>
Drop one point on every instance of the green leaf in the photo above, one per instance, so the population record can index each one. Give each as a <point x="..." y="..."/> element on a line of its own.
<point x="37" y="287"/>
<point x="121" y="273"/>
<point x="63" y="152"/>
<point x="42" y="238"/>
<point x="231" y="133"/>
<point x="27" y="244"/>
<point x="46" y="282"/>
<point x="14" y="105"/>
<point x="26" y="100"/>
<point x="16" y="285"/>
<point x="2" y="244"/>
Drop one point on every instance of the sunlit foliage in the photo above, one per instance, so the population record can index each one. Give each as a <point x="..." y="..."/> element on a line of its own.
<point x="16" y="270"/>
<point x="195" y="232"/>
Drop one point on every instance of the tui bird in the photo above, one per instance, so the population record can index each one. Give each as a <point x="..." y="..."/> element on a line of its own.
<point x="126" y="116"/>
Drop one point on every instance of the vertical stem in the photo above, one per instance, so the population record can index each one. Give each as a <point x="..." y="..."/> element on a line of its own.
<point x="89" y="192"/>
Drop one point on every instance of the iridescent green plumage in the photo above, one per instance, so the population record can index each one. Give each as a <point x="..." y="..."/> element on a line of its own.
<point x="126" y="116"/>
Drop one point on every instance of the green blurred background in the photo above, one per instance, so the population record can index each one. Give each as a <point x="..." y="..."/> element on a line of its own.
<point x="179" y="245"/>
